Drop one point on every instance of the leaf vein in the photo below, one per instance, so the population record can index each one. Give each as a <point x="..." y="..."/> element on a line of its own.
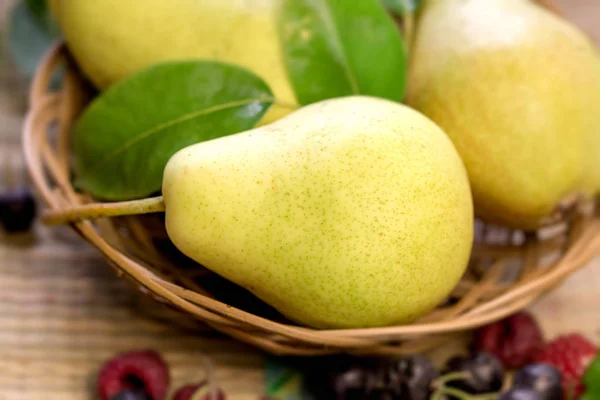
<point x="337" y="42"/>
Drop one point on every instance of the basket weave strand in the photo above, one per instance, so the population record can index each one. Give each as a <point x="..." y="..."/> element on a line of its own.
<point x="508" y="270"/>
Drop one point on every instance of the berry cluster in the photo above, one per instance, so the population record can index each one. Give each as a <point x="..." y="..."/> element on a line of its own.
<point x="349" y="379"/>
<point x="551" y="371"/>
<point x="565" y="368"/>
<point x="555" y="369"/>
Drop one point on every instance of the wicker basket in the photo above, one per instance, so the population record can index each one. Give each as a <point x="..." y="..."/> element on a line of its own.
<point x="508" y="269"/>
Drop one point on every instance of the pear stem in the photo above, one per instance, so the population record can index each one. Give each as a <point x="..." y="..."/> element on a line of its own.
<point x="101" y="210"/>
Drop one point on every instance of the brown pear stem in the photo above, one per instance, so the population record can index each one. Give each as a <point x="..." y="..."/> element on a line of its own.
<point x="101" y="210"/>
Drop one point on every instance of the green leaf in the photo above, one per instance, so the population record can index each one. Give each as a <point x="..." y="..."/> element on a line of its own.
<point x="283" y="380"/>
<point x="126" y="136"/>
<point x="402" y="7"/>
<point x="29" y="38"/>
<point x="336" y="48"/>
<point x="591" y="378"/>
<point x="591" y="394"/>
<point x="40" y="11"/>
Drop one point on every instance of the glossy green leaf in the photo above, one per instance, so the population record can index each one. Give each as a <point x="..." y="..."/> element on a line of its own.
<point x="336" y="48"/>
<point x="402" y="7"/>
<point x="30" y="35"/>
<point x="126" y="136"/>
<point x="284" y="380"/>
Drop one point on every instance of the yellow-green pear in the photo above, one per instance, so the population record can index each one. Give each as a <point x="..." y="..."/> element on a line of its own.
<point x="517" y="89"/>
<point x="111" y="39"/>
<point x="352" y="212"/>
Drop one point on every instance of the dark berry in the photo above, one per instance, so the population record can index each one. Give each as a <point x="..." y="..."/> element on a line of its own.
<point x="408" y="378"/>
<point x="383" y="383"/>
<point x="143" y="370"/>
<point x="543" y="378"/>
<point x="343" y="378"/>
<point x="17" y="210"/>
<point x="514" y="340"/>
<point x="331" y="376"/>
<point x="351" y="384"/>
<point x="131" y="394"/>
<point x="521" y="394"/>
<point x="417" y="373"/>
<point x="484" y="373"/>
<point x="203" y="390"/>
<point x="366" y="380"/>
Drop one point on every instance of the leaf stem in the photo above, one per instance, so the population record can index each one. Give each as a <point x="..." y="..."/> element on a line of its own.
<point x="100" y="210"/>
<point x="211" y="392"/>
<point x="442" y="390"/>
<point x="460" y="395"/>
<point x="451" y="377"/>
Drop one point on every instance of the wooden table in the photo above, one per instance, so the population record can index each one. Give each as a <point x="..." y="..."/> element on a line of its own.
<point x="62" y="310"/>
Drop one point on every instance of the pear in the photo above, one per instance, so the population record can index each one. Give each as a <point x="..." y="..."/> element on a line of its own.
<point x="517" y="89"/>
<point x="111" y="39"/>
<point x="348" y="213"/>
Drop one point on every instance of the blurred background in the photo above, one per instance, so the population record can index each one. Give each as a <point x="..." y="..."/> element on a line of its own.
<point x="62" y="310"/>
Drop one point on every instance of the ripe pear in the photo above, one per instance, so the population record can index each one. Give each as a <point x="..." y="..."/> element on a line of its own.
<point x="348" y="213"/>
<point x="517" y="89"/>
<point x="111" y="39"/>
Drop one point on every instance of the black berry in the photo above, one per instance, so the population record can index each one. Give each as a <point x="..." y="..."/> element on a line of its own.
<point x="521" y="394"/>
<point x="17" y="210"/>
<point x="384" y="383"/>
<point x="483" y="372"/>
<point x="351" y="384"/>
<point x="343" y="378"/>
<point x="131" y="394"/>
<point x="408" y="378"/>
<point x="417" y="373"/>
<point x="543" y="378"/>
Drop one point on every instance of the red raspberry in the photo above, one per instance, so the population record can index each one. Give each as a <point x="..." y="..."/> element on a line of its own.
<point x="186" y="392"/>
<point x="514" y="340"/>
<point x="136" y="368"/>
<point x="570" y="355"/>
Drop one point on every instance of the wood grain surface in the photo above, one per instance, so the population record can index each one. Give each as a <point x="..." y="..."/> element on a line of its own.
<point x="63" y="311"/>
